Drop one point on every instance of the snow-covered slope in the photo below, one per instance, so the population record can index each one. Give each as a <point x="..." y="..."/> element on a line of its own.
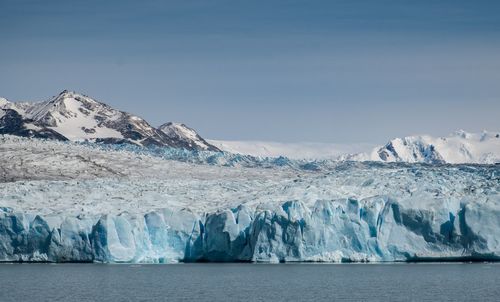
<point x="62" y="201"/>
<point x="290" y="150"/>
<point x="80" y="118"/>
<point x="459" y="147"/>
<point x="14" y="121"/>
<point x="182" y="133"/>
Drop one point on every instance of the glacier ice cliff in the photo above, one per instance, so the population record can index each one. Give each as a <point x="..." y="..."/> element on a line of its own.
<point x="378" y="228"/>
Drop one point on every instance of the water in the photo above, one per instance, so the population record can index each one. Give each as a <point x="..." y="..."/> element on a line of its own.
<point x="250" y="282"/>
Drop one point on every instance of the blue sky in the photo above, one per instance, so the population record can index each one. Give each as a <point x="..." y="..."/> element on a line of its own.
<point x="291" y="71"/>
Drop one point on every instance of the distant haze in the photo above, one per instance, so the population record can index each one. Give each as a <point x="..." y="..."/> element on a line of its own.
<point x="288" y="71"/>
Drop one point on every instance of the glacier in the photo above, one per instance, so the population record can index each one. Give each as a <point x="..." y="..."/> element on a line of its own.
<point x="68" y="202"/>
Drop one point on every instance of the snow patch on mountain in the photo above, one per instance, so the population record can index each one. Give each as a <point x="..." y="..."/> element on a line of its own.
<point x="189" y="136"/>
<point x="3" y="102"/>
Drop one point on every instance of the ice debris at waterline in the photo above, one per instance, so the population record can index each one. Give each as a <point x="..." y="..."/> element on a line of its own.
<point x="373" y="229"/>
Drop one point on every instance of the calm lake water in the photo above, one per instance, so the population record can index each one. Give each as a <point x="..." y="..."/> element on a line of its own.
<point x="250" y="282"/>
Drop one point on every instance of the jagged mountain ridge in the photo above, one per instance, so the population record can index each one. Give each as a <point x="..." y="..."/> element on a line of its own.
<point x="76" y="117"/>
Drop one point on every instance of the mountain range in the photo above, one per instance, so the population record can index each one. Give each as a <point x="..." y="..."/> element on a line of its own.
<point x="76" y="117"/>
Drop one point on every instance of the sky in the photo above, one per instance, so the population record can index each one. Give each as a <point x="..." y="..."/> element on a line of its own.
<point x="289" y="71"/>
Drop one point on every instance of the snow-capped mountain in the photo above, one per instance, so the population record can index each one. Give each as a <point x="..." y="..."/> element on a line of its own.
<point x="459" y="147"/>
<point x="185" y="135"/>
<point x="75" y="117"/>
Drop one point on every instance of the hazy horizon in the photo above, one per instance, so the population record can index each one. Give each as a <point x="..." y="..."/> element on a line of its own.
<point x="324" y="71"/>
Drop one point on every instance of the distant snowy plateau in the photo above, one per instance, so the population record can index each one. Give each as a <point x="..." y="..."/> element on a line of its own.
<point x="83" y="182"/>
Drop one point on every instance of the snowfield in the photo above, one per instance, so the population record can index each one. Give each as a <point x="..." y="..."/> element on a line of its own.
<point x="64" y="201"/>
<point x="309" y="151"/>
<point x="457" y="148"/>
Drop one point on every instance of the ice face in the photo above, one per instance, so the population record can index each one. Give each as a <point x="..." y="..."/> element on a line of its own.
<point x="373" y="229"/>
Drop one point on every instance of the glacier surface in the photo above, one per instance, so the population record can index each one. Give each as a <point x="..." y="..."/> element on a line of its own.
<point x="70" y="202"/>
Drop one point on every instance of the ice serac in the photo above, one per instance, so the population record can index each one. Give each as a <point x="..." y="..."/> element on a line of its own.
<point x="378" y="228"/>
